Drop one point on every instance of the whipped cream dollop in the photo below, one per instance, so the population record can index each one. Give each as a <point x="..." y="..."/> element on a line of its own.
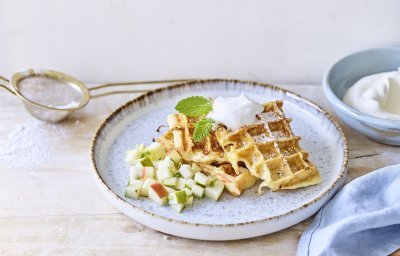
<point x="376" y="95"/>
<point x="235" y="112"/>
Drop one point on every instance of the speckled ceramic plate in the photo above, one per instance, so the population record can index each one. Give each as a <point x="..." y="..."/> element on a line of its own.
<point x="231" y="218"/>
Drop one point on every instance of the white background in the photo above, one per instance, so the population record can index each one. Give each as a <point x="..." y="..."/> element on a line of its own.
<point x="115" y="40"/>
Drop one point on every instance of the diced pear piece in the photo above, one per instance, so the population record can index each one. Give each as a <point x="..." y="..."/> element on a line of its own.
<point x="134" y="189"/>
<point x="178" y="197"/>
<point x="177" y="207"/>
<point x="146" y="185"/>
<point x="189" y="200"/>
<point x="186" y="171"/>
<point x="148" y="172"/>
<point x="169" y="189"/>
<point x="133" y="155"/>
<point x="171" y="182"/>
<point x="181" y="184"/>
<point x="190" y="183"/>
<point x="202" y="179"/>
<point x="174" y="155"/>
<point x="215" y="191"/>
<point x="156" y="151"/>
<point x="165" y="169"/>
<point x="135" y="172"/>
<point x="158" y="193"/>
<point x="195" y="168"/>
<point x="198" y="191"/>
<point x="188" y="192"/>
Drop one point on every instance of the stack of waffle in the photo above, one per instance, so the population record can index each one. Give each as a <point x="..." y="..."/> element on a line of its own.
<point x="265" y="150"/>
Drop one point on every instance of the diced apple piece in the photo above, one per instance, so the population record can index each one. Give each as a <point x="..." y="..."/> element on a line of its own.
<point x="174" y="155"/>
<point x="164" y="173"/>
<point x="198" y="191"/>
<point x="133" y="155"/>
<point x="202" y="179"/>
<point x="181" y="184"/>
<point x="169" y="189"/>
<point x="146" y="185"/>
<point x="158" y="193"/>
<point x="215" y="191"/>
<point x="195" y="168"/>
<point x="189" y="200"/>
<point x="186" y="171"/>
<point x="171" y="182"/>
<point x="156" y="151"/>
<point x="188" y="192"/>
<point x="177" y="207"/>
<point x="190" y="183"/>
<point x="135" y="172"/>
<point x="156" y="163"/>
<point x="178" y="197"/>
<point x="134" y="189"/>
<point x="147" y="172"/>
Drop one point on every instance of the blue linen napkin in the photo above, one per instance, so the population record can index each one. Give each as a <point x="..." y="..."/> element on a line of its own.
<point x="362" y="219"/>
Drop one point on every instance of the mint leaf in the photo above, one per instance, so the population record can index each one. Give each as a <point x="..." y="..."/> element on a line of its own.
<point x="202" y="129"/>
<point x="194" y="106"/>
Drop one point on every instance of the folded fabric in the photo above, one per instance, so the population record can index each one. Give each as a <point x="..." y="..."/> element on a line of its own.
<point x="362" y="219"/>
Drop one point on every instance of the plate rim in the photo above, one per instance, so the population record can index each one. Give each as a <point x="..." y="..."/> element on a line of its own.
<point x="108" y="119"/>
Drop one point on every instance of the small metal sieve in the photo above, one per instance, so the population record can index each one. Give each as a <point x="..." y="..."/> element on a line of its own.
<point x="51" y="95"/>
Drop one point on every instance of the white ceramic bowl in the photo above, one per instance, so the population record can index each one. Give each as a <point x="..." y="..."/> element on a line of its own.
<point x="344" y="73"/>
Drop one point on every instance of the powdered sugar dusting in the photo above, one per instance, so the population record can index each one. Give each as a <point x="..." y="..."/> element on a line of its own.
<point x="27" y="146"/>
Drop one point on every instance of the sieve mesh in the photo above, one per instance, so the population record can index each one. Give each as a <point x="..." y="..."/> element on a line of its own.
<point x="50" y="92"/>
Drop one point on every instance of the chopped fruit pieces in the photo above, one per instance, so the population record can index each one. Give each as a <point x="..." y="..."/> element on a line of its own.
<point x="189" y="200"/>
<point x="215" y="191"/>
<point x="186" y="171"/>
<point x="170" y="190"/>
<point x="190" y="183"/>
<point x="158" y="193"/>
<point x="155" y="151"/>
<point x="133" y="155"/>
<point x="146" y="185"/>
<point x="202" y="179"/>
<point x="177" y="207"/>
<point x="198" y="191"/>
<point x="147" y="172"/>
<point x="178" y="197"/>
<point x="134" y="188"/>
<point x="135" y="172"/>
<point x="181" y="183"/>
<point x="171" y="182"/>
<point x="187" y="191"/>
<point x="161" y="176"/>
<point x="195" y="168"/>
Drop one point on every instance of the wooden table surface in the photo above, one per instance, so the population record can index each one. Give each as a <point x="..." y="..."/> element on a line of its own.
<point x="50" y="205"/>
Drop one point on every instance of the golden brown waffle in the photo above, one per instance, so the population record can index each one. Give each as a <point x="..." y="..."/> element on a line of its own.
<point x="269" y="150"/>
<point x="234" y="183"/>
<point x="206" y="151"/>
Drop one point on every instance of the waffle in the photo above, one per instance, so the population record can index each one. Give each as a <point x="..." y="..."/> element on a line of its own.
<point x="235" y="183"/>
<point x="206" y="151"/>
<point x="269" y="150"/>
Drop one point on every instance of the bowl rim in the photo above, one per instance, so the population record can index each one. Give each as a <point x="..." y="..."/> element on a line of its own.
<point x="340" y="105"/>
<point x="327" y="192"/>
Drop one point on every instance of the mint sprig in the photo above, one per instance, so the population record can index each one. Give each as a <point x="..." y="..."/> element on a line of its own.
<point x="202" y="129"/>
<point x="194" y="106"/>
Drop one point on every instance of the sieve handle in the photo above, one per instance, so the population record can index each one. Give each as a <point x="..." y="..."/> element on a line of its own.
<point x="102" y="86"/>
<point x="3" y="79"/>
